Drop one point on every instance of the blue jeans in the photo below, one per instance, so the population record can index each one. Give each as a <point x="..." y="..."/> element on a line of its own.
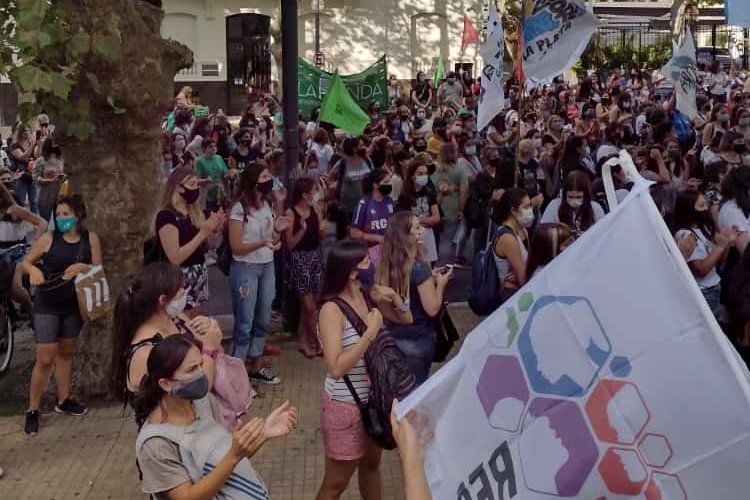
<point x="24" y="189"/>
<point x="713" y="298"/>
<point x="252" y="287"/>
<point x="418" y="351"/>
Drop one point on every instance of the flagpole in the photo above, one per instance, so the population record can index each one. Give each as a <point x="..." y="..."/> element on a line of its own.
<point x="521" y="86"/>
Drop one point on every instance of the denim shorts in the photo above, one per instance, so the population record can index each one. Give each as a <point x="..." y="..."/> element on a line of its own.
<point x="49" y="328"/>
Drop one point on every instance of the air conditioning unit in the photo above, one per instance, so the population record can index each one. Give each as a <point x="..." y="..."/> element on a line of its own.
<point x="210" y="69"/>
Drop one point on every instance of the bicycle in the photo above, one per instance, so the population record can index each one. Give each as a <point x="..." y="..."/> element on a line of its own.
<point x="9" y="316"/>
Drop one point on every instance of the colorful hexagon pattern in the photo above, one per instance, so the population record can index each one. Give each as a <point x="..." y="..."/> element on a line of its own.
<point x="617" y="412"/>
<point x="559" y="428"/>
<point x="663" y="486"/>
<point x="563" y="372"/>
<point x="503" y="392"/>
<point x="655" y="450"/>
<point x="622" y="471"/>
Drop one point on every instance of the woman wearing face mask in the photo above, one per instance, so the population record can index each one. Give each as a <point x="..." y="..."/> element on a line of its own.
<point x="349" y="172"/>
<point x="347" y="445"/>
<point x="322" y="150"/>
<point x="498" y="133"/>
<point x="469" y="159"/>
<point x="546" y="244"/>
<point x="732" y="149"/>
<point x="692" y="218"/>
<point x="403" y="270"/>
<point x="303" y="241"/>
<point x="574" y="208"/>
<point x="22" y="150"/>
<point x="421" y="93"/>
<point x="717" y="125"/>
<point x="373" y="211"/>
<point x="743" y="123"/>
<point x="603" y="108"/>
<point x="254" y="236"/>
<point x="149" y="310"/>
<point x="48" y="173"/>
<point x="64" y="254"/>
<point x="513" y="214"/>
<point x="421" y="127"/>
<point x="420" y="198"/>
<point x="176" y="420"/>
<point x="622" y="113"/>
<point x="245" y="153"/>
<point x="180" y="156"/>
<point x="555" y="126"/>
<point x="185" y="235"/>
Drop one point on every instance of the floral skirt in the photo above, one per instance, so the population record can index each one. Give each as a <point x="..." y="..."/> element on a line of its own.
<point x="195" y="283"/>
<point x="306" y="271"/>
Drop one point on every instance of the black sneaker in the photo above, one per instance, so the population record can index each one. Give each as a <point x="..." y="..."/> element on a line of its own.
<point x="31" y="427"/>
<point x="266" y="376"/>
<point x="71" y="407"/>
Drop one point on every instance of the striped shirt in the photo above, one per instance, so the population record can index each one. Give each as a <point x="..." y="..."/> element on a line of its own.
<point x="337" y="389"/>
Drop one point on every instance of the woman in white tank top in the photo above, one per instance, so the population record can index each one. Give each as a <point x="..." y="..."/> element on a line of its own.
<point x="513" y="213"/>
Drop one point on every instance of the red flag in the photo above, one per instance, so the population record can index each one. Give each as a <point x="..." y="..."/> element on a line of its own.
<point x="519" y="58"/>
<point x="470" y="33"/>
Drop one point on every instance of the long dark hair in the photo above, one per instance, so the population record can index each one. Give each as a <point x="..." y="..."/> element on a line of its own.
<point x="342" y="260"/>
<point x="76" y="203"/>
<point x="163" y="361"/>
<point x="509" y="201"/>
<point x="301" y="188"/>
<point x="134" y="306"/>
<point x="736" y="186"/>
<point x="545" y="245"/>
<point x="247" y="186"/>
<point x="685" y="216"/>
<point x="374" y="177"/>
<point x="577" y="181"/>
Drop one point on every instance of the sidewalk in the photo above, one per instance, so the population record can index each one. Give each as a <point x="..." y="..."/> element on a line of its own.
<point x="93" y="457"/>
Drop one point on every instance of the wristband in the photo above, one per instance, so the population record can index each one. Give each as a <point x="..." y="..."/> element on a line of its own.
<point x="211" y="353"/>
<point x="404" y="307"/>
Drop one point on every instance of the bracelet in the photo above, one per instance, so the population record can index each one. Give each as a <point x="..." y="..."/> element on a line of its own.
<point x="404" y="307"/>
<point x="211" y="353"/>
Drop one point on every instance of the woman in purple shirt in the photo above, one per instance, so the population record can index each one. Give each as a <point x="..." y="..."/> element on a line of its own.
<point x="373" y="211"/>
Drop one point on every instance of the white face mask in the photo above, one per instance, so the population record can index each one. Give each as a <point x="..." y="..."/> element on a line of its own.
<point x="471" y="150"/>
<point x="537" y="143"/>
<point x="317" y="196"/>
<point x="176" y="307"/>
<point x="527" y="217"/>
<point x="574" y="203"/>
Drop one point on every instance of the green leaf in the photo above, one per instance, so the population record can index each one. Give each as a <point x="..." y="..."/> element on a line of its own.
<point x="81" y="130"/>
<point x="108" y="46"/>
<point x="79" y="44"/>
<point x="31" y="13"/>
<point x="60" y="85"/>
<point x="45" y="40"/>
<point x="28" y="109"/>
<point x="31" y="79"/>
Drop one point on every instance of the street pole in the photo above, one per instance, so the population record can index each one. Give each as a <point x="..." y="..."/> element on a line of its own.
<point x="289" y="54"/>
<point x="317" y="26"/>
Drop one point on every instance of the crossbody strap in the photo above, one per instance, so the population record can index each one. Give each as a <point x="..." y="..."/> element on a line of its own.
<point x="360" y="327"/>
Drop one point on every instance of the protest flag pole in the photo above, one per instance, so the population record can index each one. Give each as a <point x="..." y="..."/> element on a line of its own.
<point x="520" y="78"/>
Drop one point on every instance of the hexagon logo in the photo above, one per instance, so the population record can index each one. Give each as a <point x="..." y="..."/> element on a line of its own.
<point x="559" y="359"/>
<point x="663" y="486"/>
<point x="622" y="471"/>
<point x="503" y="392"/>
<point x="570" y="453"/>
<point x="655" y="450"/>
<point x="617" y="412"/>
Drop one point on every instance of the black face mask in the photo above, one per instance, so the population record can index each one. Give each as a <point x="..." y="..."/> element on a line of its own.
<point x="385" y="189"/>
<point x="265" y="187"/>
<point x="495" y="162"/>
<point x="431" y="168"/>
<point x="362" y="152"/>
<point x="739" y="148"/>
<point x="420" y="148"/>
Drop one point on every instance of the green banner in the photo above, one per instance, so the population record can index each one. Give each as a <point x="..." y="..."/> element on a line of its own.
<point x="367" y="86"/>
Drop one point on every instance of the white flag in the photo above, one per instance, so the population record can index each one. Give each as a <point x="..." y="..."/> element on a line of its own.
<point x="681" y="71"/>
<point x="555" y="33"/>
<point x="492" y="96"/>
<point x="606" y="376"/>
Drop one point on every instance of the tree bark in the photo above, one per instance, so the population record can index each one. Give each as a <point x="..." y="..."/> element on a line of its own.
<point x="118" y="169"/>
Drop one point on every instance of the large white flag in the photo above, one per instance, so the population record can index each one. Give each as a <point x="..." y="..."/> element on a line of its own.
<point x="492" y="96"/>
<point x="681" y="71"/>
<point x="555" y="33"/>
<point x="605" y="377"/>
<point x="737" y="13"/>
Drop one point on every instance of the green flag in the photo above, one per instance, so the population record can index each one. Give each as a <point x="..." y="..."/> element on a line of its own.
<point x="439" y="74"/>
<point x="340" y="108"/>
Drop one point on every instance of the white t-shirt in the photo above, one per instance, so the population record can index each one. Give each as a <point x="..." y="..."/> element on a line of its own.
<point x="257" y="226"/>
<point x="323" y="153"/>
<point x="703" y="248"/>
<point x="552" y="214"/>
<point x="731" y="215"/>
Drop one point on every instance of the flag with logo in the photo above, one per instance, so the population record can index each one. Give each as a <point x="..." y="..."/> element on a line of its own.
<point x="340" y="108"/>
<point x="554" y="36"/>
<point x="681" y="70"/>
<point x="439" y="73"/>
<point x="737" y="13"/>
<point x="470" y="34"/>
<point x="605" y="377"/>
<point x="491" y="94"/>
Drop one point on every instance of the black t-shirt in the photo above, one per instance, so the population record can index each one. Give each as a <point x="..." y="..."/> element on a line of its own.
<point x="19" y="164"/>
<point x="58" y="296"/>
<point x="422" y="92"/>
<point x="245" y="160"/>
<point x="186" y="230"/>
<point x="529" y="181"/>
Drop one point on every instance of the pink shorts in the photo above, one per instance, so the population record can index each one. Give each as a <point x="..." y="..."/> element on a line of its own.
<point x="344" y="436"/>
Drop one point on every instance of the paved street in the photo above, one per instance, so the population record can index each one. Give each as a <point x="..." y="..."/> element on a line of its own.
<point x="93" y="457"/>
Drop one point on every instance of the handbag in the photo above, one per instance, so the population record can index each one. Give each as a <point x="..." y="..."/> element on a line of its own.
<point x="446" y="335"/>
<point x="92" y="291"/>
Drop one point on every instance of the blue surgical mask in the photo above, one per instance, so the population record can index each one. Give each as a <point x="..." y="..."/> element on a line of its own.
<point x="193" y="388"/>
<point x="421" y="180"/>
<point x="66" y="224"/>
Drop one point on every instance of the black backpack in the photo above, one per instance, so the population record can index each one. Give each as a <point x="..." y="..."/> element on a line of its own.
<point x="486" y="287"/>
<point x="390" y="378"/>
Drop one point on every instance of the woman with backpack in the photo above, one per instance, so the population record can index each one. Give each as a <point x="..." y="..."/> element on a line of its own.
<point x="183" y="451"/>
<point x="254" y="236"/>
<point x="513" y="214"/>
<point x="403" y="269"/>
<point x="347" y="445"/>
<point x="53" y="262"/>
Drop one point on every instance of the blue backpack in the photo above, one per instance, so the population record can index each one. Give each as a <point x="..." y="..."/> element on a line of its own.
<point x="484" y="294"/>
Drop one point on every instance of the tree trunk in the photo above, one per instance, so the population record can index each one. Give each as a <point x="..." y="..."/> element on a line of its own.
<point x="118" y="169"/>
